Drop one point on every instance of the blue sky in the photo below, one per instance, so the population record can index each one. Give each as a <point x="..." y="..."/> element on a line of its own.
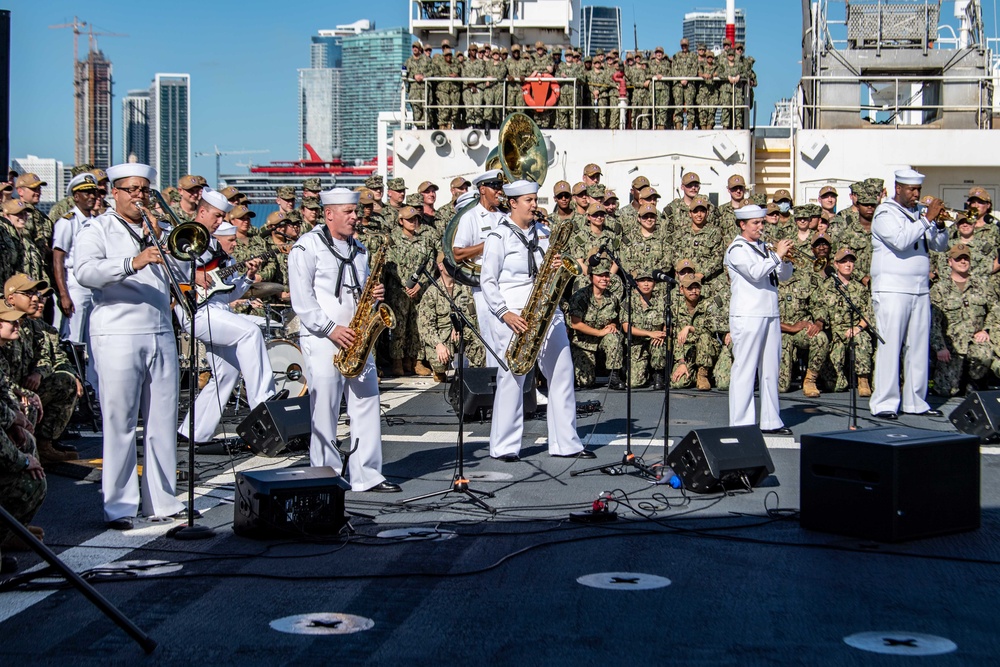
<point x="243" y="57"/>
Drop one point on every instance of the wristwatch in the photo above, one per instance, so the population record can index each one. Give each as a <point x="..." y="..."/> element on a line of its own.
<point x="27" y="462"/>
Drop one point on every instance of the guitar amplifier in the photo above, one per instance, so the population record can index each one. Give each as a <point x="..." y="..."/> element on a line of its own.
<point x="274" y="426"/>
<point x="289" y="501"/>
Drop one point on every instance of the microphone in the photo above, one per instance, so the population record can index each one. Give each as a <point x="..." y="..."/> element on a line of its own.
<point x="415" y="278"/>
<point x="595" y="259"/>
<point x="829" y="271"/>
<point x="661" y="276"/>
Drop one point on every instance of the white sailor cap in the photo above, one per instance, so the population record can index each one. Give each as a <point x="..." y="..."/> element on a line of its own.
<point x="129" y="169"/>
<point x="751" y="212"/>
<point x="518" y="188"/>
<point x="216" y="199"/>
<point x="225" y="229"/>
<point x="491" y="175"/>
<point x="338" y="196"/>
<point x="909" y="177"/>
<point x="467" y="198"/>
<point x="84" y="181"/>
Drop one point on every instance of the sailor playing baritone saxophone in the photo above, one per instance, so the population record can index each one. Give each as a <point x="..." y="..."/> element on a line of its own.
<point x="512" y="261"/>
<point x="327" y="270"/>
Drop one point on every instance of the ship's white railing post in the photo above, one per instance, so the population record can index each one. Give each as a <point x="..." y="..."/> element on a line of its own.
<point x="385" y="118"/>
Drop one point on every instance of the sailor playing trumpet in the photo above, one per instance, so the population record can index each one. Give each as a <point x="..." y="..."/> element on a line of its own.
<point x="512" y="258"/>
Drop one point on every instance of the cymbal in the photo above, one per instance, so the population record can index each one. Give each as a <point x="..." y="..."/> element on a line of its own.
<point x="265" y="290"/>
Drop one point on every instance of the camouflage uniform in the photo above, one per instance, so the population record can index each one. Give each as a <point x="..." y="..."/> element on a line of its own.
<point x="642" y="97"/>
<point x="405" y="256"/>
<point x="677" y="217"/>
<point x="643" y="355"/>
<point x="600" y="96"/>
<point x="32" y="261"/>
<point x="434" y="326"/>
<point x="472" y="94"/>
<point x="20" y="493"/>
<point x="415" y="90"/>
<point x="724" y="217"/>
<point x="564" y="106"/>
<point x="838" y="319"/>
<point x="493" y="93"/>
<point x="584" y="242"/>
<point x="707" y="97"/>
<point x="797" y="303"/>
<point x="11" y="250"/>
<point x="956" y="316"/>
<point x="517" y="69"/>
<point x="660" y="90"/>
<point x="60" y="208"/>
<point x="717" y="311"/>
<point x="597" y="313"/>
<point x="447" y="94"/>
<point x="685" y="65"/>
<point x="731" y="96"/>
<point x="646" y="251"/>
<point x="706" y="249"/>
<point x="38" y="232"/>
<point x="701" y="348"/>
<point x="852" y="235"/>
<point x="983" y="246"/>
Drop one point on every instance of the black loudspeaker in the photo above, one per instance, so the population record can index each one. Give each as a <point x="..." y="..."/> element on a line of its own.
<point x="300" y="501"/>
<point x="721" y="459"/>
<point x="480" y="388"/>
<point x="275" y="425"/>
<point x="889" y="484"/>
<point x="978" y="414"/>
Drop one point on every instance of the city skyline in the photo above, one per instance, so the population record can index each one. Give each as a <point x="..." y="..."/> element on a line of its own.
<point x="244" y="63"/>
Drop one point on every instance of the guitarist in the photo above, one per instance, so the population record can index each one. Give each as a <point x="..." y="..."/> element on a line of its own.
<point x="233" y="343"/>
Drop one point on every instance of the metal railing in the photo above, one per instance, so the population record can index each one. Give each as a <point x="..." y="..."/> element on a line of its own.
<point x="575" y="101"/>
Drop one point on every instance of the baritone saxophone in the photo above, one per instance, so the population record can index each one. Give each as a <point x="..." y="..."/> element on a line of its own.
<point x="370" y="318"/>
<point x="550" y="283"/>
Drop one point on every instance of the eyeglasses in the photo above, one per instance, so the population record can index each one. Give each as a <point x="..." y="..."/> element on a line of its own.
<point x="493" y="185"/>
<point x="32" y="294"/>
<point x="293" y="224"/>
<point x="737" y="187"/>
<point x="136" y="189"/>
<point x="693" y="185"/>
<point x="828" y="195"/>
<point x="563" y="195"/>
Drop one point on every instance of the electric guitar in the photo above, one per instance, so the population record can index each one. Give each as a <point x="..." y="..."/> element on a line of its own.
<point x="215" y="277"/>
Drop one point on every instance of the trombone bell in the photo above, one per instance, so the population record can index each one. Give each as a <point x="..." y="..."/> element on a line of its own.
<point x="188" y="241"/>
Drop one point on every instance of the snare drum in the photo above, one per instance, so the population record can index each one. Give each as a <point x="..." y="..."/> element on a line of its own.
<point x="288" y="366"/>
<point x="184" y="352"/>
<point x="291" y="322"/>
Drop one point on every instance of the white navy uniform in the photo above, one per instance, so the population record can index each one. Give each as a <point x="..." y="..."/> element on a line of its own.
<point x="473" y="228"/>
<point x="755" y="325"/>
<point x="506" y="283"/>
<point x="233" y="344"/>
<point x="901" y="299"/>
<point x="313" y="275"/>
<point x="75" y="329"/>
<point x="135" y="353"/>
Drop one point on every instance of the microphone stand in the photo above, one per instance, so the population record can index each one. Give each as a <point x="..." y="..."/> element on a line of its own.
<point x="628" y="459"/>
<point x="852" y="419"/>
<point x="668" y="366"/>
<point x="460" y="484"/>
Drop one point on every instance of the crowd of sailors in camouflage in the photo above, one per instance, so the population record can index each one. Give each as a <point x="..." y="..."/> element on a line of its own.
<point x="693" y="89"/>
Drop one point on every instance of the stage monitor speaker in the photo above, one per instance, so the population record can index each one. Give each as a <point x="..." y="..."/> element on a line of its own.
<point x="978" y="414"/>
<point x="889" y="484"/>
<point x="480" y="388"/>
<point x="283" y="501"/>
<point x="274" y="426"/>
<point x="721" y="459"/>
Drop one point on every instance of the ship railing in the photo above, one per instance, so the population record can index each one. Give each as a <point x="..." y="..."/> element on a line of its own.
<point x="913" y="100"/>
<point x="576" y="107"/>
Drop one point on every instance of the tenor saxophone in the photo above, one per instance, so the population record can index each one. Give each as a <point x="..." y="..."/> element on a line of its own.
<point x="542" y="303"/>
<point x="370" y="318"/>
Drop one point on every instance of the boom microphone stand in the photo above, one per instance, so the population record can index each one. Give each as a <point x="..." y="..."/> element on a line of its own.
<point x="460" y="484"/>
<point x="629" y="458"/>
<point x="668" y="367"/>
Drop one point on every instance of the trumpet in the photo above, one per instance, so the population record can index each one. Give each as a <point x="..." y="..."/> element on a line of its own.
<point x="948" y="214"/>
<point x="791" y="256"/>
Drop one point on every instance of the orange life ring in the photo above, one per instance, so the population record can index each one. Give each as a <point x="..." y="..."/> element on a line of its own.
<point x="538" y="95"/>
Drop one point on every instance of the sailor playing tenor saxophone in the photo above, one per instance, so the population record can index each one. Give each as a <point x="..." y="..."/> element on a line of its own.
<point x="327" y="271"/>
<point x="514" y="260"/>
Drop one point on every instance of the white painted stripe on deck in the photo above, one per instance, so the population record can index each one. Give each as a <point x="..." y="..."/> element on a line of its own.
<point x="112" y="545"/>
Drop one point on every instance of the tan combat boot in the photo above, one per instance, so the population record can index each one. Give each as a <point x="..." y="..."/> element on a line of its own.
<point x="809" y="388"/>
<point x="440" y="377"/>
<point x="864" y="388"/>
<point x="702" y="382"/>
<point x="49" y="454"/>
<point x="421" y="369"/>
<point x="203" y="379"/>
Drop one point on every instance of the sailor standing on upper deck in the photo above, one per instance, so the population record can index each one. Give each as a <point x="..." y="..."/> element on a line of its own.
<point x="901" y="238"/>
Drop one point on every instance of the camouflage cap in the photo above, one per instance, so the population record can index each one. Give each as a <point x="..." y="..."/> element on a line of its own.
<point x="514" y="47"/>
<point x="866" y="194"/>
<point x="285" y="192"/>
<point x="374" y="182"/>
<point x="598" y="51"/>
<point x="701" y="46"/>
<point x="877" y="183"/>
<point x="313" y="184"/>
<point x="603" y="267"/>
<point x="240" y="211"/>
<point x="81" y="168"/>
<point x="802" y="212"/>
<point x="956" y="251"/>
<point x="644" y="272"/>
<point x="397" y="184"/>
<point x="758" y="198"/>
<point x="843" y="254"/>
<point x="191" y="181"/>
<point x="414" y="199"/>
<point x="171" y="194"/>
<point x="815" y="210"/>
<point x="539" y="44"/>
<point x="658" y="49"/>
<point x="312" y="203"/>
<point x="857" y="187"/>
<point x="596" y="191"/>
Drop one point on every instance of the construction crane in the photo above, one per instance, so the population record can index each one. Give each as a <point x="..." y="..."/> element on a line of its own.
<point x="218" y="155"/>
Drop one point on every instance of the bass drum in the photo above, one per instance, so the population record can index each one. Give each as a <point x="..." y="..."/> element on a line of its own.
<point x="288" y="366"/>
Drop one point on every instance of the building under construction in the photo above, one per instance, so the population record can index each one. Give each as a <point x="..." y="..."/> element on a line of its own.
<point x="93" y="110"/>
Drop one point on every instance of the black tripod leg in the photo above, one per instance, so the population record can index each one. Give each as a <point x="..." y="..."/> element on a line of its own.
<point x="147" y="643"/>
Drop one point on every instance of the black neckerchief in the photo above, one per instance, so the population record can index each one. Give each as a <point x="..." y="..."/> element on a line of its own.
<point x="531" y="244"/>
<point x="348" y="261"/>
<point x="145" y="241"/>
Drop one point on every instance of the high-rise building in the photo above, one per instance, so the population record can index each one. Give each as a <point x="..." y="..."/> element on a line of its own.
<point x="600" y="28"/>
<point x="135" y="127"/>
<point x="373" y="62"/>
<point x="49" y="170"/>
<point x="93" y="110"/>
<point x="320" y="87"/>
<point x="170" y="127"/>
<point x="709" y="28"/>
